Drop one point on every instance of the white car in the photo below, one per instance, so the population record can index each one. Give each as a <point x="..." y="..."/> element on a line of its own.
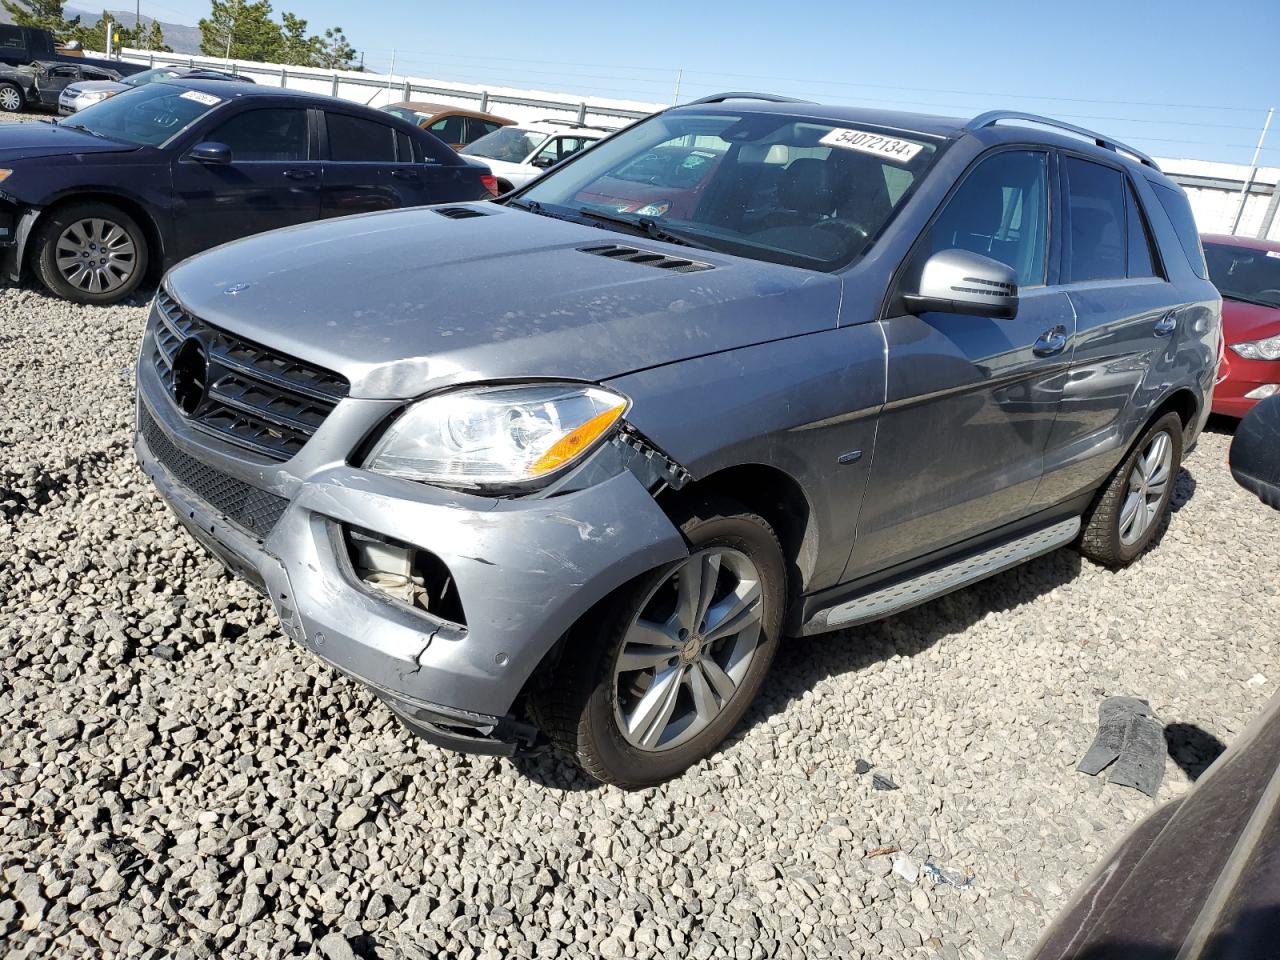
<point x="518" y="153"/>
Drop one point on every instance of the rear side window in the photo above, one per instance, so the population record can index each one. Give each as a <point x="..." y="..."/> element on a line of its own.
<point x="1000" y="211"/>
<point x="1095" y="222"/>
<point x="265" y="135"/>
<point x="448" y="129"/>
<point x="1143" y="258"/>
<point x="479" y="128"/>
<point x="1178" y="210"/>
<point x="11" y="38"/>
<point x="356" y="140"/>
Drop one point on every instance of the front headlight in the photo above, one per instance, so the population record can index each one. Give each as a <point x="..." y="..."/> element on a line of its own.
<point x="1268" y="349"/>
<point x="95" y="96"/>
<point x="496" y="436"/>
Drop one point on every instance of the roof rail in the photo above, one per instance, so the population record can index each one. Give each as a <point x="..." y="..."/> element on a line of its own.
<point x="992" y="117"/>
<point x="741" y="95"/>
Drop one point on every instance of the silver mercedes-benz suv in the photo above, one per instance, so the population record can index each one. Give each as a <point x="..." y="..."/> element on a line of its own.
<point x="572" y="464"/>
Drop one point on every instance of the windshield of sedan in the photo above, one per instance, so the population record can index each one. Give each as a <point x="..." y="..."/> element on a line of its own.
<point x="511" y="144"/>
<point x="787" y="189"/>
<point x="150" y="76"/>
<point x="1243" y="273"/>
<point x="144" y="116"/>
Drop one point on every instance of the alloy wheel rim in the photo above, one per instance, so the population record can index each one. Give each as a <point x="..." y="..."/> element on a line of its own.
<point x="688" y="650"/>
<point x="9" y="99"/>
<point x="1148" y="484"/>
<point x="95" y="255"/>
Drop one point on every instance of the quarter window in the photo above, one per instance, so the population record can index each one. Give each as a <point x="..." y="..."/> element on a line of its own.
<point x="356" y="140"/>
<point x="1142" y="251"/>
<point x="1178" y="210"/>
<point x="1000" y="211"/>
<point x="278" y="136"/>
<point x="1095" y="221"/>
<point x="477" y="128"/>
<point x="448" y="129"/>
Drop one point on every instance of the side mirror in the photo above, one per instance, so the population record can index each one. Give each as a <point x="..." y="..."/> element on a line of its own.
<point x="543" y="160"/>
<point x="957" y="281"/>
<point x="1255" y="452"/>
<point x="211" y="152"/>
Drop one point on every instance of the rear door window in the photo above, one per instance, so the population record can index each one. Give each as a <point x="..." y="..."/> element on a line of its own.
<point x="11" y="38"/>
<point x="479" y="128"/>
<point x="1095" y="241"/>
<point x="357" y="140"/>
<point x="277" y="135"/>
<point x="1178" y="209"/>
<point x="448" y="129"/>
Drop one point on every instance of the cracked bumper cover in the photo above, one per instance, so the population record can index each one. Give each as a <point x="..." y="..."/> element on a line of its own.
<point x="525" y="569"/>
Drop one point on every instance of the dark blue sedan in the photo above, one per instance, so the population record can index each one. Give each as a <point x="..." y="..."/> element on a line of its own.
<point x="126" y="188"/>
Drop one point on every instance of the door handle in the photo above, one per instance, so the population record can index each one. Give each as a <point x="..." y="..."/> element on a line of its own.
<point x="1051" y="342"/>
<point x="405" y="174"/>
<point x="1166" y="325"/>
<point x="299" y="174"/>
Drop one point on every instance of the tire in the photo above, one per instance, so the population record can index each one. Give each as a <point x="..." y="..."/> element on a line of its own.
<point x="1114" y="537"/>
<point x="11" y="98"/>
<point x="586" y="706"/>
<point x="93" y="229"/>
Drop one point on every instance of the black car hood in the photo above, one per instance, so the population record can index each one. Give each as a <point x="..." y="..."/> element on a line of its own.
<point x="410" y="300"/>
<point x="30" y="140"/>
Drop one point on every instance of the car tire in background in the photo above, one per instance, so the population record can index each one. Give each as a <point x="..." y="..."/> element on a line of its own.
<point x="655" y="678"/>
<point x="1134" y="505"/>
<point x="11" y="98"/>
<point x="90" y="252"/>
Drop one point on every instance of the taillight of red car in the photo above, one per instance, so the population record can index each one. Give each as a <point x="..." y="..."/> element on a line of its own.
<point x="490" y="183"/>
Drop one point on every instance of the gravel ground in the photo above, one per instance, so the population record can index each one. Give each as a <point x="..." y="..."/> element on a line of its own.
<point x="178" y="779"/>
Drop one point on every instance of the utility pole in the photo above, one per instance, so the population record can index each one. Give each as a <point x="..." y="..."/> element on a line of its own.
<point x="391" y="76"/>
<point x="679" y="77"/>
<point x="232" y="29"/>
<point x="1253" y="172"/>
<point x="137" y="21"/>
<point x="106" y="30"/>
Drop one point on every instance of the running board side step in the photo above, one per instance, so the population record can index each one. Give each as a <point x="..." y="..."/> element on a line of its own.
<point x="923" y="587"/>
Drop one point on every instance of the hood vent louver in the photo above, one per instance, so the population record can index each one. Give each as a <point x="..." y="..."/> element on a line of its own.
<point x="646" y="258"/>
<point x="460" y="213"/>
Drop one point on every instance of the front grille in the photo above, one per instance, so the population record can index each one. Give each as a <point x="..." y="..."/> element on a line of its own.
<point x="255" y="397"/>
<point x="249" y="508"/>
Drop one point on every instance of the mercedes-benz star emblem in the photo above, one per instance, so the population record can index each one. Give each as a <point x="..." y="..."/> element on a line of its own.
<point x="190" y="375"/>
<point x="235" y="288"/>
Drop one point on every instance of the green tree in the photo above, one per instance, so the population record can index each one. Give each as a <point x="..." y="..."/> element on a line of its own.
<point x="153" y="39"/>
<point x="296" y="48"/>
<point x="243" y="29"/>
<point x="333" y="51"/>
<point x="95" y="37"/>
<point x="46" y="14"/>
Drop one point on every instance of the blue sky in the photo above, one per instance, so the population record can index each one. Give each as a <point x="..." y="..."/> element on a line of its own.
<point x="1177" y="78"/>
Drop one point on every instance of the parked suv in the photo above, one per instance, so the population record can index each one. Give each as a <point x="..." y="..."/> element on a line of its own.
<point x="541" y="467"/>
<point x="518" y="154"/>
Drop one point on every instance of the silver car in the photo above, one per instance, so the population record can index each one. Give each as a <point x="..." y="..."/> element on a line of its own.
<point x="541" y="468"/>
<point x="86" y="93"/>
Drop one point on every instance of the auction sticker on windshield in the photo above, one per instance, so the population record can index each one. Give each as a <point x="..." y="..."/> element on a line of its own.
<point x="891" y="148"/>
<point x="199" y="96"/>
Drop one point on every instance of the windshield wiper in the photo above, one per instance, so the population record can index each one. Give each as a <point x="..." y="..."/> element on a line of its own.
<point x="84" y="129"/>
<point x="644" y="227"/>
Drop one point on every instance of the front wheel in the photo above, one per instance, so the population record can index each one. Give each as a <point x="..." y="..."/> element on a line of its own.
<point x="679" y="655"/>
<point x="1134" y="505"/>
<point x="90" y="253"/>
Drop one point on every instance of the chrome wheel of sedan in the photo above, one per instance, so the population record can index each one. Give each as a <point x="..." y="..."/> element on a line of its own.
<point x="688" y="650"/>
<point x="96" y="255"/>
<point x="10" y="99"/>
<point x="1148" y="485"/>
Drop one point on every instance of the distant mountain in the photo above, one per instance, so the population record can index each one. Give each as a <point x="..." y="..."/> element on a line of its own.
<point x="179" y="36"/>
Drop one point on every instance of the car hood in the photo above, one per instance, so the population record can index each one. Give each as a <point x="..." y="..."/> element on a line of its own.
<point x="30" y="140"/>
<point x="1248" y="321"/>
<point x="407" y="301"/>
<point x="92" y="86"/>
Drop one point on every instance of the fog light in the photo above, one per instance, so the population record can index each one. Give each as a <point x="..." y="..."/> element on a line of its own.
<point x="408" y="574"/>
<point x="1264" y="391"/>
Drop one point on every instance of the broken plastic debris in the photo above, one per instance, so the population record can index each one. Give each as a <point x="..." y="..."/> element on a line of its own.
<point x="1130" y="736"/>
<point x="942" y="877"/>
<point x="881" y="782"/>
<point x="861" y="767"/>
<point x="906" y="869"/>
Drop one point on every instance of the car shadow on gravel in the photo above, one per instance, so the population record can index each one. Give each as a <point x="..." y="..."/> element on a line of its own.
<point x="1192" y="748"/>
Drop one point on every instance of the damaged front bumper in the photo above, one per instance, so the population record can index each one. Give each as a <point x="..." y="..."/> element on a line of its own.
<point x="524" y="570"/>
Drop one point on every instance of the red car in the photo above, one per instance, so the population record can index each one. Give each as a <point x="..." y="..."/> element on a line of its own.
<point x="665" y="182"/>
<point x="1247" y="274"/>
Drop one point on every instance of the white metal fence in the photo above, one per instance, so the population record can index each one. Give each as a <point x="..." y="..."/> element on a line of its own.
<point x="1215" y="189"/>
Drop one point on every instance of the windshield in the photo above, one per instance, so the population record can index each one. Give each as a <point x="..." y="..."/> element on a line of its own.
<point x="144" y="116"/>
<point x="511" y="144"/>
<point x="148" y="76"/>
<point x="774" y="187"/>
<point x="1242" y="273"/>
